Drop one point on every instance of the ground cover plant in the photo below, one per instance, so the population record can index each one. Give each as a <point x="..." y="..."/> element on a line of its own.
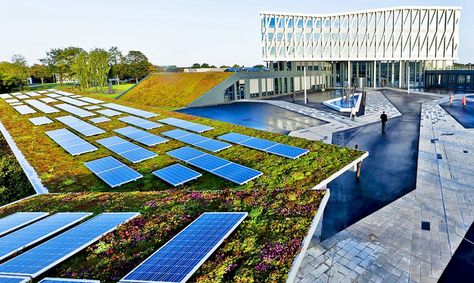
<point x="173" y="90"/>
<point x="280" y="203"/>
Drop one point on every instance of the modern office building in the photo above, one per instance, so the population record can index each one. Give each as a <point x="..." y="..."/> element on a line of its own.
<point x="380" y="47"/>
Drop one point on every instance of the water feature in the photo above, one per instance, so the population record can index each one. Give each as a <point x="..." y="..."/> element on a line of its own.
<point x="257" y="115"/>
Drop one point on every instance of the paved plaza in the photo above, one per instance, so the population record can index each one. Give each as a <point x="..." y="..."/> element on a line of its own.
<point x="413" y="238"/>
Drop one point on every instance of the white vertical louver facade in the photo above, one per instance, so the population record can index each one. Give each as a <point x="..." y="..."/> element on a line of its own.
<point x="404" y="34"/>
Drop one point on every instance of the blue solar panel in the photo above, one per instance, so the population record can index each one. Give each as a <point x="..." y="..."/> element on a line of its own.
<point x="197" y="140"/>
<point x="67" y="280"/>
<point x="287" y="151"/>
<point x="195" y="127"/>
<point x="74" y="110"/>
<point x="112" y="171"/>
<point x="70" y="142"/>
<point x="208" y="162"/>
<point x="17" y="220"/>
<point x="179" y="258"/>
<point x="228" y="170"/>
<point x="140" y="122"/>
<point x="235" y="137"/>
<point x="237" y="173"/>
<point x="38" y="231"/>
<point x="257" y="143"/>
<point x="80" y="126"/>
<point x="13" y="279"/>
<point x="176" y="174"/>
<point x="130" y="110"/>
<point x="265" y="145"/>
<point x="40" y="121"/>
<point x="185" y="153"/>
<point x="126" y="149"/>
<point x="108" y="112"/>
<point x="47" y="255"/>
<point x="140" y="136"/>
<point x="99" y="120"/>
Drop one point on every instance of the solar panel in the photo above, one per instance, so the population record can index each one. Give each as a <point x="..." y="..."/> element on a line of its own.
<point x="71" y="142"/>
<point x="13" y="100"/>
<point x="179" y="258"/>
<point x="38" y="231"/>
<point x="131" y="110"/>
<point x="176" y="174"/>
<point x="140" y="122"/>
<point x="53" y="95"/>
<point x="284" y="150"/>
<point x="73" y="101"/>
<point x="75" y="110"/>
<point x="43" y="107"/>
<point x="92" y="107"/>
<point x="40" y="121"/>
<point x="18" y="220"/>
<point x="16" y="93"/>
<point x="48" y="100"/>
<point x="42" y="91"/>
<point x="33" y="94"/>
<point x="126" y="149"/>
<point x="13" y="279"/>
<point x="197" y="140"/>
<point x="5" y="96"/>
<point x="99" y="120"/>
<point x="24" y="109"/>
<point x="228" y="170"/>
<point x="16" y="104"/>
<point x="82" y="127"/>
<point x="191" y="126"/>
<point x="90" y="100"/>
<point x="65" y="93"/>
<point x="108" y="112"/>
<point x="67" y="280"/>
<point x="41" y="258"/>
<point x="140" y="136"/>
<point x="23" y="96"/>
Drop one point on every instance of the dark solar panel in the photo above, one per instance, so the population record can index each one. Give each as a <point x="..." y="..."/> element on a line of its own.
<point x="112" y="171"/>
<point x="140" y="136"/>
<point x="80" y="126"/>
<point x="176" y="174"/>
<point x="197" y="140"/>
<point x="126" y="149"/>
<point x="17" y="220"/>
<point x="179" y="258"/>
<point x="70" y="142"/>
<point x="140" y="122"/>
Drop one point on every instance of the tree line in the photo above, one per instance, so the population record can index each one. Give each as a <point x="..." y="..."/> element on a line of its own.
<point x="86" y="69"/>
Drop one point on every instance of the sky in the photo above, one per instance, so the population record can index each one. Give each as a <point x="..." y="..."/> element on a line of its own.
<point x="173" y="32"/>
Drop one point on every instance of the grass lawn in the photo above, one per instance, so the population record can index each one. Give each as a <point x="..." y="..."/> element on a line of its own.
<point x="117" y="89"/>
<point x="280" y="203"/>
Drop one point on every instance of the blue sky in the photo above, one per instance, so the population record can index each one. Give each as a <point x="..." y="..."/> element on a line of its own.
<point x="172" y="31"/>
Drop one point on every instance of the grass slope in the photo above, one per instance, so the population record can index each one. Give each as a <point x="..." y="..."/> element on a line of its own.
<point x="173" y="90"/>
<point x="280" y="203"/>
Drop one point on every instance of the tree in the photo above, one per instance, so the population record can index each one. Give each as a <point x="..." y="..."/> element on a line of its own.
<point x="259" y="66"/>
<point x="81" y="69"/>
<point x="138" y="65"/>
<point x="205" y="65"/>
<point x="99" y="66"/>
<point x="224" y="66"/>
<point x="8" y="81"/>
<point x="115" y="59"/>
<point x="40" y="71"/>
<point x="60" y="62"/>
<point x="196" y="66"/>
<point x="20" y="69"/>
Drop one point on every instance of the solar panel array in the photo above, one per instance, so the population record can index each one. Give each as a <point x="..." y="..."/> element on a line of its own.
<point x="140" y="122"/>
<point x="197" y="140"/>
<point x="5" y="96"/>
<point x="38" y="231"/>
<point x="71" y="142"/>
<point x="53" y="95"/>
<point x="176" y="174"/>
<point x="41" y="106"/>
<point x="179" y="258"/>
<point x="38" y="121"/>
<point x="13" y="279"/>
<point x="193" y="127"/>
<point x="23" y="96"/>
<point x="65" y="93"/>
<point x="82" y="127"/>
<point x="48" y="100"/>
<point x="16" y="104"/>
<point x="108" y="112"/>
<point x="112" y="171"/>
<point x="67" y="280"/>
<point x="75" y="110"/>
<point x="17" y="220"/>
<point x="90" y="100"/>
<point x="280" y="149"/>
<point x="228" y="170"/>
<point x="24" y="109"/>
<point x="126" y="149"/>
<point x="140" y="136"/>
<point x="131" y="110"/>
<point x="73" y="101"/>
<point x="43" y="257"/>
<point x="99" y="120"/>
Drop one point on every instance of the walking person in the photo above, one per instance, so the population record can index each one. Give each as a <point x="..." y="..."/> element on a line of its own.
<point x="359" y="164"/>
<point x="383" y="119"/>
<point x="451" y="99"/>
<point x="464" y="102"/>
